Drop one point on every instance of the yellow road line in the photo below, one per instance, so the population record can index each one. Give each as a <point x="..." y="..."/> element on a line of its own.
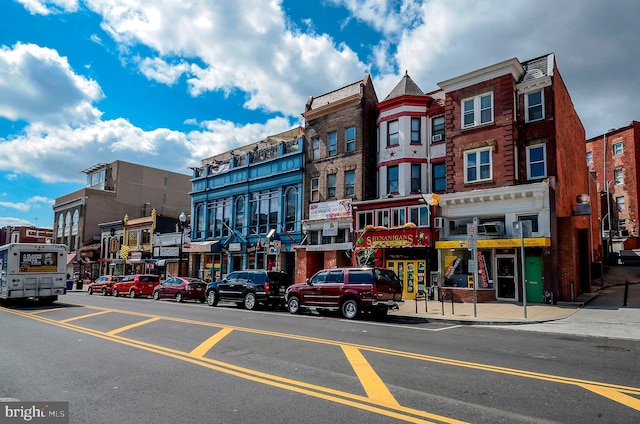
<point x="205" y="346"/>
<point x="134" y="325"/>
<point x="371" y="382"/>
<point x="85" y="316"/>
<point x="610" y="391"/>
<point x="614" y="395"/>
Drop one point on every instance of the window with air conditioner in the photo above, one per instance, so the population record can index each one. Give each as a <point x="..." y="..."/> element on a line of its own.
<point x="437" y="129"/>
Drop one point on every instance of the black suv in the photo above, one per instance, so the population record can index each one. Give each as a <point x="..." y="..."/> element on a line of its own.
<point x="250" y="288"/>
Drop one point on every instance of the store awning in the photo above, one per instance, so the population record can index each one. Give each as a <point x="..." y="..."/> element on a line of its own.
<point x="495" y="243"/>
<point x="211" y="246"/>
<point x="70" y="257"/>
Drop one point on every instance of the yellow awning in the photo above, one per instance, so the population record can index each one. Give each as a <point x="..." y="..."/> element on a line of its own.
<point x="495" y="243"/>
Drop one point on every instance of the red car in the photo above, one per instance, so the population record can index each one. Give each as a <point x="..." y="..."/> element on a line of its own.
<point x="136" y="285"/>
<point x="104" y="284"/>
<point x="181" y="288"/>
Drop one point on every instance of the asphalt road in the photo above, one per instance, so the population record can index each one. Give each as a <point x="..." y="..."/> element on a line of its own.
<point x="138" y="360"/>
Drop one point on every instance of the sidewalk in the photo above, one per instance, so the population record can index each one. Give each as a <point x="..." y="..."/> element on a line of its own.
<point x="501" y="313"/>
<point x="490" y="312"/>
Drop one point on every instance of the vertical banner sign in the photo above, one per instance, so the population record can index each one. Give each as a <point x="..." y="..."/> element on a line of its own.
<point x="482" y="269"/>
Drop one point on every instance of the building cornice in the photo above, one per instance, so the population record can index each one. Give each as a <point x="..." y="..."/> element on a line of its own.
<point x="510" y="66"/>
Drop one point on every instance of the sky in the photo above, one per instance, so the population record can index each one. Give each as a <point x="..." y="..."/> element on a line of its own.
<point x="167" y="83"/>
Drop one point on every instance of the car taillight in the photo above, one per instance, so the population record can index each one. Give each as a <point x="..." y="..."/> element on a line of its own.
<point x="266" y="287"/>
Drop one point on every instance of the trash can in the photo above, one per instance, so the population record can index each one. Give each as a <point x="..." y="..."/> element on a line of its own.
<point x="79" y="284"/>
<point x="69" y="284"/>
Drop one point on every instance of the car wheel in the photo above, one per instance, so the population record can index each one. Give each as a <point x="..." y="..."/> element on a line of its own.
<point x="132" y="293"/>
<point x="115" y="293"/>
<point x="156" y="295"/>
<point x="250" y="301"/>
<point x="349" y="309"/>
<point x="179" y="297"/>
<point x="104" y="291"/>
<point x="293" y="305"/>
<point x="212" y="298"/>
<point x="90" y="291"/>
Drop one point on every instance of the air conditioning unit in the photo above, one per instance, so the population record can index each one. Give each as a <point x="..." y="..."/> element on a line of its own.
<point x="491" y="228"/>
<point x="438" y="222"/>
<point x="437" y="137"/>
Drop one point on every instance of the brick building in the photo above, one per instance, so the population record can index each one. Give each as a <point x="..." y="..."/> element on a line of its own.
<point x="340" y="167"/>
<point x="514" y="163"/>
<point x="613" y="159"/>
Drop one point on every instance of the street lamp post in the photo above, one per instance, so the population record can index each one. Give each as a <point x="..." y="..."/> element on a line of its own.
<point x="182" y="219"/>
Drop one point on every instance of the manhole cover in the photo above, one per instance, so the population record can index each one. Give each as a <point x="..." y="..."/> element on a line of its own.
<point x="614" y="348"/>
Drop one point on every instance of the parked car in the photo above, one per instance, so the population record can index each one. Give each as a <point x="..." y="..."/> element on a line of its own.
<point x="181" y="288"/>
<point x="250" y="288"/>
<point x="350" y="290"/>
<point x="104" y="284"/>
<point x="136" y="285"/>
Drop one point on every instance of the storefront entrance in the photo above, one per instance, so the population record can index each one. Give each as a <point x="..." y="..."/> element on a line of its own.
<point x="506" y="275"/>
<point x="412" y="274"/>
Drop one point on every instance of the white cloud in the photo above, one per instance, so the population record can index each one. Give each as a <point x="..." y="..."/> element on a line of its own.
<point x="390" y="17"/>
<point x="39" y="86"/>
<point x="46" y="7"/>
<point x="245" y="45"/>
<point x="35" y="201"/>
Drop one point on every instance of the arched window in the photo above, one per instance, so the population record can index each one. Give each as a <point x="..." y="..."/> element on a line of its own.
<point x="199" y="230"/>
<point x="59" y="232"/>
<point x="290" y="208"/>
<point x="239" y="212"/>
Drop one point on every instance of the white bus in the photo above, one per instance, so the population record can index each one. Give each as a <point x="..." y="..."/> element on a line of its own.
<point x="33" y="270"/>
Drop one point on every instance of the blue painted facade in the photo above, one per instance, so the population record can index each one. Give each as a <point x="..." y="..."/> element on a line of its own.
<point x="247" y="209"/>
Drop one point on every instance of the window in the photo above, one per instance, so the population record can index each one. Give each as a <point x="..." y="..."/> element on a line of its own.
<point x="199" y="221"/>
<point x="536" y="162"/>
<point x="382" y="217"/>
<point x="392" y="179"/>
<point x="437" y="129"/>
<point x="332" y="145"/>
<point x="315" y="147"/>
<point x="315" y="190"/>
<point x="589" y="157"/>
<point x="531" y="218"/>
<point x="477" y="165"/>
<point x="620" y="203"/>
<point x="439" y="177"/>
<point x="398" y="217"/>
<point x="622" y="224"/>
<point x="617" y="149"/>
<point x="350" y="139"/>
<point x="219" y="213"/>
<point x="331" y="186"/>
<point x="617" y="175"/>
<point x="477" y="110"/>
<point x="239" y="210"/>
<point x="264" y="207"/>
<point x="419" y="216"/>
<point x="415" y="131"/>
<point x="349" y="183"/>
<point x="364" y="219"/>
<point x="290" y="208"/>
<point x="416" y="178"/>
<point x="392" y="133"/>
<point x="534" y="106"/>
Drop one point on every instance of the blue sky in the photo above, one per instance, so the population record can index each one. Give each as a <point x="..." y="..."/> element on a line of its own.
<point x="167" y="83"/>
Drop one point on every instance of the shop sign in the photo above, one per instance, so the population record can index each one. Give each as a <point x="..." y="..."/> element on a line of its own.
<point x="495" y="243"/>
<point x="235" y="247"/>
<point x="330" y="210"/>
<point x="394" y="238"/>
<point x="330" y="229"/>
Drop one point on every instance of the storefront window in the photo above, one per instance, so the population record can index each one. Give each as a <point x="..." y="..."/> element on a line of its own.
<point x="457" y="273"/>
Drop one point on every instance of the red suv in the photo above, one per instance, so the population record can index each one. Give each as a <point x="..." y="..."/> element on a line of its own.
<point x="350" y="290"/>
<point x="136" y="285"/>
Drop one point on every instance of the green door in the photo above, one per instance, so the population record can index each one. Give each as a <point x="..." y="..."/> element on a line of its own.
<point x="533" y="272"/>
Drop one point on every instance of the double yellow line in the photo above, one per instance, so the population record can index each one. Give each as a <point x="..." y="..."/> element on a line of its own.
<point x="379" y="399"/>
